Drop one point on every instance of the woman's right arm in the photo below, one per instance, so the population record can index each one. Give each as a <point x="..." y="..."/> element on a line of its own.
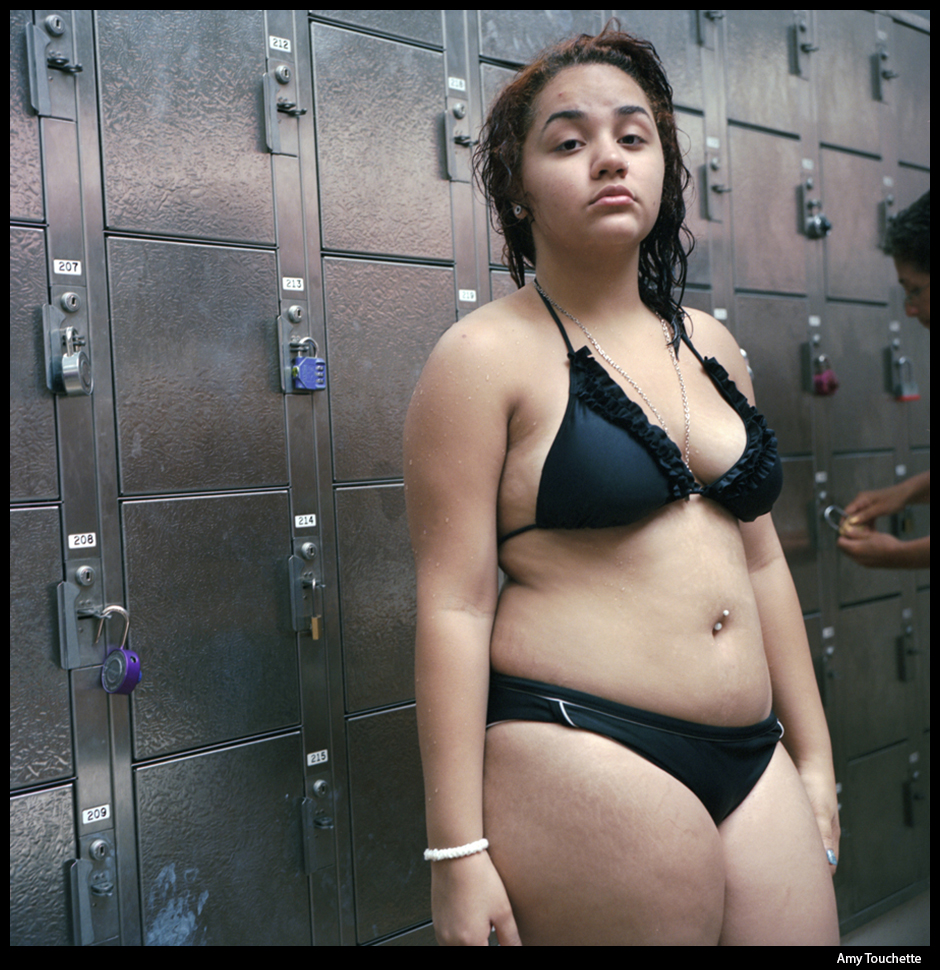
<point x="455" y="445"/>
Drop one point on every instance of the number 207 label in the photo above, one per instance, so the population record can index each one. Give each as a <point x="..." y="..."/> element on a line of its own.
<point x="67" y="267"/>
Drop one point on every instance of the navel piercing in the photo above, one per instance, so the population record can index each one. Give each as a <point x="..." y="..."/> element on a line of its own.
<point x="717" y="626"/>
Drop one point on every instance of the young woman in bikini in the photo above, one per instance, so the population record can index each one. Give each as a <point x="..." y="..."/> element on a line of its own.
<point x="630" y="788"/>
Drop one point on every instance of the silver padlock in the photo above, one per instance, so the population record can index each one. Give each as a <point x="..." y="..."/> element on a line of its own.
<point x="72" y="371"/>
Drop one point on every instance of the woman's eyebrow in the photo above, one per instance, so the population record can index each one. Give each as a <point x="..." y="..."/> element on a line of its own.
<point x="575" y="114"/>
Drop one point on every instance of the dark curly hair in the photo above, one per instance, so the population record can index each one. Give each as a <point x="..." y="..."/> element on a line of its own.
<point x="908" y="235"/>
<point x="498" y="159"/>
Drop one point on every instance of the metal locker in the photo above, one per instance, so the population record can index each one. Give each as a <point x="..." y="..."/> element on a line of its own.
<point x="188" y="475"/>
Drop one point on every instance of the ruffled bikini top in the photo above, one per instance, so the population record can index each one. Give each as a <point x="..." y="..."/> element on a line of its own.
<point x="608" y="466"/>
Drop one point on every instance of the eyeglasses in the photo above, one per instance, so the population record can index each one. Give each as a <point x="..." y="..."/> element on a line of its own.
<point x="913" y="294"/>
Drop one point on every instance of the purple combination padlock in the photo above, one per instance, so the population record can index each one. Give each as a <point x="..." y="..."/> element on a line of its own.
<point x="120" y="672"/>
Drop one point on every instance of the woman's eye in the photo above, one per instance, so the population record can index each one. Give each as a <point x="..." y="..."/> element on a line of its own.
<point x="568" y="145"/>
<point x="637" y="140"/>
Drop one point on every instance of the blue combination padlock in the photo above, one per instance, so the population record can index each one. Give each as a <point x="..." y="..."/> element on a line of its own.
<point x="120" y="672"/>
<point x="309" y="373"/>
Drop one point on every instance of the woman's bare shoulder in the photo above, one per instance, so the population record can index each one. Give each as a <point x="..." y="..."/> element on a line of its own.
<point x="455" y="443"/>
<point x="482" y="349"/>
<point x="488" y="330"/>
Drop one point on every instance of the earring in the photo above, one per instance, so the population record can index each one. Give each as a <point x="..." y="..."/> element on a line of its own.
<point x="517" y="211"/>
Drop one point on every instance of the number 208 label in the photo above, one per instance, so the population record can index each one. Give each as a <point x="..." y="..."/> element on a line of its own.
<point x="82" y="540"/>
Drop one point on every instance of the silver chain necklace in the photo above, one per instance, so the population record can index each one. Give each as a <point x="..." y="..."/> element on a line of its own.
<point x="630" y="380"/>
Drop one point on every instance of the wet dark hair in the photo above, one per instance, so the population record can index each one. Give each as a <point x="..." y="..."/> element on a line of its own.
<point x="908" y="235"/>
<point x="498" y="159"/>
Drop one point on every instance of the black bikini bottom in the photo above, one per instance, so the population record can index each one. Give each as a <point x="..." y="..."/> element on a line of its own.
<point x="719" y="764"/>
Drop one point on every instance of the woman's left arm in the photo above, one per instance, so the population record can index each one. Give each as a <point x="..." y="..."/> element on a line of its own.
<point x="796" y="700"/>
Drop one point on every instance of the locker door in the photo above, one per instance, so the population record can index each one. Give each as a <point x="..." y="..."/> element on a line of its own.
<point x="389" y="289"/>
<point x="52" y="773"/>
<point x="204" y="255"/>
<point x="189" y="475"/>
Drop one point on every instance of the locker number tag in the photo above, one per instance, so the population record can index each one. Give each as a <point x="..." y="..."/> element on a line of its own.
<point x="67" y="267"/>
<point x="83" y="540"/>
<point x="98" y="814"/>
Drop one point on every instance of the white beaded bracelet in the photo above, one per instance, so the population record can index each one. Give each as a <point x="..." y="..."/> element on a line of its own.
<point x="471" y="848"/>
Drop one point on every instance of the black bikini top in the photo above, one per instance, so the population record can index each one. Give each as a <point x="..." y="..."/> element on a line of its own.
<point x="609" y="466"/>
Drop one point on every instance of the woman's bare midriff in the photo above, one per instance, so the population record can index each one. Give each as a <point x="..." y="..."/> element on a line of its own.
<point x="629" y="614"/>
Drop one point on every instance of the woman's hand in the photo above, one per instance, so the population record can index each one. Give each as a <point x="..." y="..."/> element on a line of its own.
<point x="467" y="899"/>
<point x="821" y="789"/>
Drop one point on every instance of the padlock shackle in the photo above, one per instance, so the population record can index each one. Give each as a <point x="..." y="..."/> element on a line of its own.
<point x="302" y="343"/>
<point x="828" y="512"/>
<point x="105" y="613"/>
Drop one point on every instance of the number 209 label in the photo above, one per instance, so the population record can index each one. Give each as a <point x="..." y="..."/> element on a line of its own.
<point x="98" y="814"/>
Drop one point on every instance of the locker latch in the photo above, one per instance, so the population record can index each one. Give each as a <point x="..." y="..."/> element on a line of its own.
<point x="78" y="600"/>
<point x="93" y="884"/>
<point x="899" y="374"/>
<point x="804" y="41"/>
<point x="319" y="846"/>
<point x="68" y="367"/>
<point x="305" y="593"/>
<point x="815" y="225"/>
<point x="457" y="133"/>
<point x="914" y="793"/>
<point x="40" y="63"/>
<point x="907" y="652"/>
<point x="882" y="71"/>
<point x="274" y="105"/>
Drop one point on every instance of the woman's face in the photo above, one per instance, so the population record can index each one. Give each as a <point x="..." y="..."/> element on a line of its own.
<point x="592" y="162"/>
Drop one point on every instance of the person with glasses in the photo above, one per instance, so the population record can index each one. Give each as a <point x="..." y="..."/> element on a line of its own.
<point x="908" y="242"/>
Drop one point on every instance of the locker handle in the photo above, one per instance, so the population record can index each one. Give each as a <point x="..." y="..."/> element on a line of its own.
<point x="60" y="62"/>
<point x="272" y="134"/>
<point x="80" y="873"/>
